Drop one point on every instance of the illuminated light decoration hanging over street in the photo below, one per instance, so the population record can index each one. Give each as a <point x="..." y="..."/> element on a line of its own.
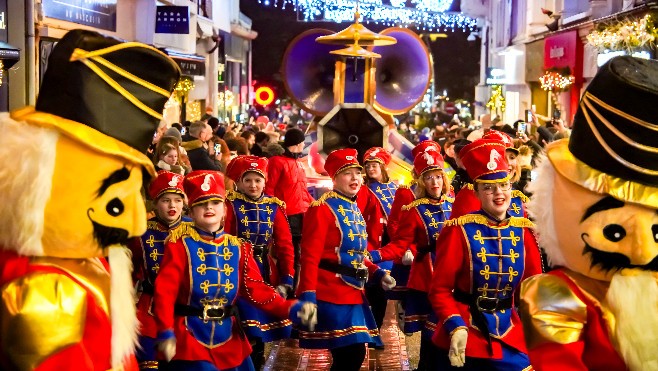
<point x="264" y="95"/>
<point x="553" y="81"/>
<point x="427" y="15"/>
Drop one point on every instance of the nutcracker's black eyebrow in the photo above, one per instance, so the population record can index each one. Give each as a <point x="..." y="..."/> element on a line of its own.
<point x="606" y="203"/>
<point x="114" y="178"/>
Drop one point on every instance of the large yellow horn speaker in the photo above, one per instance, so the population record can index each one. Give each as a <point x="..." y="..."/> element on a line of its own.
<point x="403" y="72"/>
<point x="308" y="72"/>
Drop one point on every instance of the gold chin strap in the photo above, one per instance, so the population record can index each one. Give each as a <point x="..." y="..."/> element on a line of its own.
<point x="93" y="58"/>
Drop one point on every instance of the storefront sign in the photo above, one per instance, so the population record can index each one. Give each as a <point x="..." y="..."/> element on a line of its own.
<point x="564" y="50"/>
<point x="172" y="19"/>
<point x="95" y="13"/>
<point x="190" y="64"/>
<point x="3" y="20"/>
<point x="495" y="76"/>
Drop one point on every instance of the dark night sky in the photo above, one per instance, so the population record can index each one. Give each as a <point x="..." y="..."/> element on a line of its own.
<point x="456" y="61"/>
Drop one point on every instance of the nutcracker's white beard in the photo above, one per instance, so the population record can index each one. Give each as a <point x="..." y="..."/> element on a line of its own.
<point x="122" y="305"/>
<point x="633" y="299"/>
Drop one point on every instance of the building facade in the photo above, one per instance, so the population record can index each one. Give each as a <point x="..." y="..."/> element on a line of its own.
<point x="198" y="34"/>
<point x="523" y="39"/>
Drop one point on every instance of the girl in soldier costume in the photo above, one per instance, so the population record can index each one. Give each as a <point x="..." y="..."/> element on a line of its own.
<point x="261" y="220"/>
<point x="168" y="196"/>
<point x="204" y="271"/>
<point x="421" y="223"/>
<point x="334" y="270"/>
<point x="375" y="199"/>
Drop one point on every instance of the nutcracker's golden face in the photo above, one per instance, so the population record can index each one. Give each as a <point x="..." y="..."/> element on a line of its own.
<point x="600" y="235"/>
<point x="95" y="202"/>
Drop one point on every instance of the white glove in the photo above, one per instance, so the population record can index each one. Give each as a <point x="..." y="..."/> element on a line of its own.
<point x="457" y="352"/>
<point x="407" y="258"/>
<point x="168" y="348"/>
<point x="308" y="315"/>
<point x="388" y="282"/>
<point x="282" y="290"/>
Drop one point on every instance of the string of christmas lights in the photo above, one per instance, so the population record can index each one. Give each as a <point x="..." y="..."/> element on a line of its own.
<point x="627" y="34"/>
<point x="428" y="15"/>
<point x="497" y="102"/>
<point x="553" y="81"/>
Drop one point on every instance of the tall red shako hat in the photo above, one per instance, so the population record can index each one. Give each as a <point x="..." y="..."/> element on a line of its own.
<point x="166" y="182"/>
<point x="204" y="185"/>
<point x="242" y="164"/>
<point x="485" y="161"/>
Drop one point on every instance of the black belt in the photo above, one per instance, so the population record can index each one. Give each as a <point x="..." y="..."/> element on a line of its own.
<point x="478" y="305"/>
<point x="360" y="274"/>
<point x="422" y="251"/>
<point x="208" y="313"/>
<point x="147" y="287"/>
<point x="258" y="250"/>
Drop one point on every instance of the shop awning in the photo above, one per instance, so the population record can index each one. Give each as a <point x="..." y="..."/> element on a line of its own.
<point x="190" y="64"/>
<point x="9" y="55"/>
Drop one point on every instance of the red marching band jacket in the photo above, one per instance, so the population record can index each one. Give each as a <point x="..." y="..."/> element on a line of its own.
<point x="220" y="342"/>
<point x="286" y="181"/>
<point x="461" y="265"/>
<point x="320" y="239"/>
<point x="281" y="249"/>
<point x="403" y="196"/>
<point x="373" y="215"/>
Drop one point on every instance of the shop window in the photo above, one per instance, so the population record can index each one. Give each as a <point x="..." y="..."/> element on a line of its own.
<point x="574" y="7"/>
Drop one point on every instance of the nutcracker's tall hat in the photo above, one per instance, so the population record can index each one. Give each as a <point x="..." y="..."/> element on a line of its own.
<point x="613" y="148"/>
<point x="116" y="89"/>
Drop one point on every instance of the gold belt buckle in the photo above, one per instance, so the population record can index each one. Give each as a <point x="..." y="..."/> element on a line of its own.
<point x="208" y="307"/>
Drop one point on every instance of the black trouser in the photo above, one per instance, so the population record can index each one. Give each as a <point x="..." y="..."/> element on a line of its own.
<point x="427" y="357"/>
<point x="377" y="299"/>
<point x="348" y="358"/>
<point x="296" y="221"/>
<point x="258" y="353"/>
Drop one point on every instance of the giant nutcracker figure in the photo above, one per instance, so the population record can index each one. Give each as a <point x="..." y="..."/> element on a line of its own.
<point x="596" y="207"/>
<point x="481" y="259"/>
<point x="261" y="220"/>
<point x="168" y="196"/>
<point x="334" y="270"/>
<point x="74" y="167"/>
<point x="203" y="272"/>
<point x="415" y="243"/>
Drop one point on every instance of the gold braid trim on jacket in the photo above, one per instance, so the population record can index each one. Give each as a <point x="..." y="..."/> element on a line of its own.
<point x="481" y="219"/>
<point x="232" y="195"/>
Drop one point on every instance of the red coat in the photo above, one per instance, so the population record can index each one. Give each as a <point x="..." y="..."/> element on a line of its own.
<point x="28" y="287"/>
<point x="592" y="349"/>
<point x="173" y="287"/>
<point x="403" y="196"/>
<point x="453" y="271"/>
<point x="281" y="249"/>
<point x="373" y="214"/>
<point x="286" y="180"/>
<point x="412" y="235"/>
<point x="320" y="238"/>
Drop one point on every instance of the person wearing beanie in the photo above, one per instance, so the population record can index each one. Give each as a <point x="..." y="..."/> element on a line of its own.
<point x="287" y="182"/>
<point x="173" y="132"/>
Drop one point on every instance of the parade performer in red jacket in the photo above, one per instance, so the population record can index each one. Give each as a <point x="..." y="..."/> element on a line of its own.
<point x="404" y="196"/>
<point x="71" y="186"/>
<point x="261" y="220"/>
<point x="596" y="208"/>
<point x="375" y="199"/>
<point x="204" y="271"/>
<point x="334" y="270"/>
<point x="167" y="193"/>
<point x="481" y="259"/>
<point x="421" y="224"/>
<point x="466" y="201"/>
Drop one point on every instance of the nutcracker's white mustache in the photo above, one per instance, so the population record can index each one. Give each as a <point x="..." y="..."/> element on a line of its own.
<point x="122" y="305"/>
<point x="633" y="299"/>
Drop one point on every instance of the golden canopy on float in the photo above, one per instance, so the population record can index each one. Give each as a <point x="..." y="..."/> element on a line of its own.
<point x="358" y="34"/>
